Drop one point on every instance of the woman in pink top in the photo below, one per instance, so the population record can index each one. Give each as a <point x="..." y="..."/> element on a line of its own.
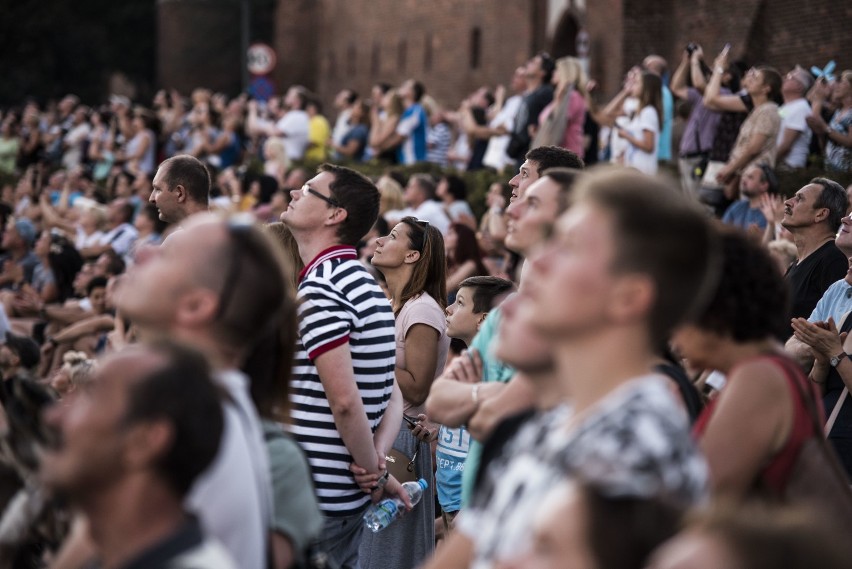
<point x="561" y="122"/>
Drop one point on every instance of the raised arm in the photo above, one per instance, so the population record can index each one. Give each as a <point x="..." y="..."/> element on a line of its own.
<point x="713" y="98"/>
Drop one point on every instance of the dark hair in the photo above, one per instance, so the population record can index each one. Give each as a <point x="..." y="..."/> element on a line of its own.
<point x="548" y="65"/>
<point x="466" y="249"/>
<point x="763" y="537"/>
<point x="358" y="196"/>
<point x="398" y="176"/>
<point x="456" y="186"/>
<point x="255" y="306"/>
<point x="565" y="178"/>
<point x="96" y="282"/>
<point x="750" y="301"/>
<point x="116" y="264"/>
<point x="150" y="211"/>
<point x="768" y="177"/>
<point x="547" y="157"/>
<point x="426" y="183"/>
<point x="832" y="197"/>
<point x="652" y="94"/>
<point x="642" y="525"/>
<point x="351" y="97"/>
<point x="660" y="233"/>
<point x="268" y="364"/>
<point x="489" y="97"/>
<point x="65" y="262"/>
<point x="127" y="210"/>
<point x="485" y="290"/>
<point x="25" y="348"/>
<point x="773" y="80"/>
<point x="181" y="392"/>
<point x="268" y="187"/>
<point x="189" y="172"/>
<point x="430" y="272"/>
<point x="419" y="90"/>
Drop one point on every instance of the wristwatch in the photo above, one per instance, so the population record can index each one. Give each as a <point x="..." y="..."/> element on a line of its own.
<point x="835" y="360"/>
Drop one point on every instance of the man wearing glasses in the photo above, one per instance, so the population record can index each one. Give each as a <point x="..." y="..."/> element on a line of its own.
<point x="345" y="405"/>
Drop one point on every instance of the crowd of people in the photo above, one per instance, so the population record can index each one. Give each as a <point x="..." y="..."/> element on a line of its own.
<point x="213" y="356"/>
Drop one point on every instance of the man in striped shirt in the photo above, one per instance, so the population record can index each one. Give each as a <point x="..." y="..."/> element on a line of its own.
<point x="345" y="405"/>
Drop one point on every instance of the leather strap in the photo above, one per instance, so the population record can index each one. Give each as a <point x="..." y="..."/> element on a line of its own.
<point x="836" y="411"/>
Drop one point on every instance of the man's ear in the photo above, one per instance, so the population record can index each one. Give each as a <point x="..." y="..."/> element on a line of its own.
<point x="338" y="215"/>
<point x="197" y="307"/>
<point x="180" y="193"/>
<point x="633" y="297"/>
<point x="148" y="441"/>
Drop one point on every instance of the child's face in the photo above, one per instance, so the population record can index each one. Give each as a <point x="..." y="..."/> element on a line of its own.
<point x="462" y="321"/>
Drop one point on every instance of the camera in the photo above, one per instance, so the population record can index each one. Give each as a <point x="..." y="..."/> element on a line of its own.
<point x="691" y="47"/>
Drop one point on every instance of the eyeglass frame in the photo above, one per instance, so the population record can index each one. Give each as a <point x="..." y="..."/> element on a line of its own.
<point x="306" y="189"/>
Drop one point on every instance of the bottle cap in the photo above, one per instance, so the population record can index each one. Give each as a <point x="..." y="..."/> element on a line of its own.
<point x="423" y="484"/>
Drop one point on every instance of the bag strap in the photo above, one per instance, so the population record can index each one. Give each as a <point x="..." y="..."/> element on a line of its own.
<point x="836" y="411"/>
<point x="845" y="326"/>
<point x="807" y="399"/>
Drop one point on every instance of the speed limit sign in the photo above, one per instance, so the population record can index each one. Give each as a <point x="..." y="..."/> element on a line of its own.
<point x="261" y="59"/>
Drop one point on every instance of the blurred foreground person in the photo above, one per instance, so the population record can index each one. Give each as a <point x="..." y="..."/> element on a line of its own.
<point x="736" y="334"/>
<point x="220" y="285"/>
<point x="128" y="450"/>
<point x="583" y="528"/>
<point x="595" y="291"/>
<point x="754" y="538"/>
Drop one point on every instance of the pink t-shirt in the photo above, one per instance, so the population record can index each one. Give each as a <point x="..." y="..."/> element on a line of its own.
<point x="573" y="137"/>
<point x="421" y="310"/>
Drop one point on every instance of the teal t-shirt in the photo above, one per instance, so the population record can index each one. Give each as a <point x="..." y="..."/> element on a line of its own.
<point x="493" y="370"/>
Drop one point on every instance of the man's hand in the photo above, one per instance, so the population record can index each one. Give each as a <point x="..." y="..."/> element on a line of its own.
<point x="393" y="487"/>
<point x="822" y="337"/>
<point x="467" y="368"/>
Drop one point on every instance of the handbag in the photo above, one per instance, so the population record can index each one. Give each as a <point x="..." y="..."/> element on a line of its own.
<point x="816" y="480"/>
<point x="400" y="466"/>
<point x="836" y="411"/>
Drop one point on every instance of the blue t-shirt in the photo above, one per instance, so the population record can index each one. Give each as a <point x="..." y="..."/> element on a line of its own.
<point x="412" y="125"/>
<point x="836" y="302"/>
<point x="453" y="446"/>
<point x="360" y="133"/>
<point x="492" y="370"/>
<point x="740" y="214"/>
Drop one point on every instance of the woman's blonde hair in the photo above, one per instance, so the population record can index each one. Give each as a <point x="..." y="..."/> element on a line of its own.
<point x="391" y="195"/>
<point x="570" y="71"/>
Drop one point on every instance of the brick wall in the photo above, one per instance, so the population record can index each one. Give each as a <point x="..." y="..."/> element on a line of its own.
<point x="358" y="43"/>
<point x="198" y="44"/>
<point x="330" y="44"/>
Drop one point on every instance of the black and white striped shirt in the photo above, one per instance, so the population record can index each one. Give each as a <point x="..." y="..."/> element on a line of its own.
<point x="340" y="303"/>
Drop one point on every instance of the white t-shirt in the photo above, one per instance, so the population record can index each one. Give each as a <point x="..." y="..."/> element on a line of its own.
<point x="294" y="125"/>
<point x="233" y="497"/>
<point x="793" y="116"/>
<point x="121" y="238"/>
<point x="83" y="241"/>
<point x="495" y="153"/>
<point x="645" y="162"/>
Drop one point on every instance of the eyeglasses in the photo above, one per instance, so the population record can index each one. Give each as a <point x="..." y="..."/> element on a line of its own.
<point x="419" y="244"/>
<point x="306" y="189"/>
